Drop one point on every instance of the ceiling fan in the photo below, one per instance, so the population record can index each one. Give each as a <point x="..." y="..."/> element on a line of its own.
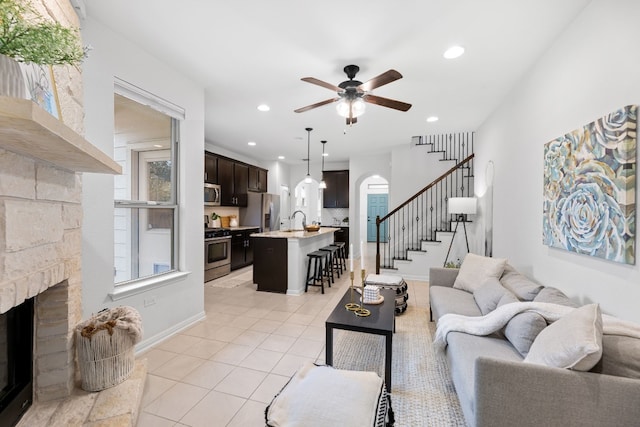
<point x="352" y="94"/>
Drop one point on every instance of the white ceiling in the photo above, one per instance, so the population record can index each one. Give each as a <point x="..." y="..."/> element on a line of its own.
<point x="245" y="53"/>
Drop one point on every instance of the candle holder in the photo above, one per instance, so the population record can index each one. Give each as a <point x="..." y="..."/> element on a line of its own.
<point x="361" y="311"/>
<point x="351" y="306"/>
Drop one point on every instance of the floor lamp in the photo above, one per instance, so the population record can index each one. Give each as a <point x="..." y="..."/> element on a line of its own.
<point x="461" y="207"/>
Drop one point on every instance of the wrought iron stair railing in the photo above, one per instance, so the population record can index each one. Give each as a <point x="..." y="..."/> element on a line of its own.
<point x="423" y="215"/>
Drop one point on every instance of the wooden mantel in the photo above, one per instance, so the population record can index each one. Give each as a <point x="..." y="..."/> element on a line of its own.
<point x="27" y="129"/>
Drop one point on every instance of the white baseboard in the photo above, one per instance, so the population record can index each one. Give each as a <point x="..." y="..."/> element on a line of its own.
<point x="147" y="343"/>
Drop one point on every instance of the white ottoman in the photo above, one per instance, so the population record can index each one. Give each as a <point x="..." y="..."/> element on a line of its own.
<point x="321" y="396"/>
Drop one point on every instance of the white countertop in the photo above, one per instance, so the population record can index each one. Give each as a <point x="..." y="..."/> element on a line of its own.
<point x="296" y="234"/>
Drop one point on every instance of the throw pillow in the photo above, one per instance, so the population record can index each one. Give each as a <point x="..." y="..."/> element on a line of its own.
<point x="476" y="269"/>
<point x="574" y="341"/>
<point x="507" y="298"/>
<point x="522" y="330"/>
<point x="489" y="294"/>
<point x="524" y="288"/>
<point x="554" y="296"/>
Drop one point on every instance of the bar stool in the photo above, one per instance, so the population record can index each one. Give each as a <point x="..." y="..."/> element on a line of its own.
<point x="333" y="259"/>
<point x="342" y="252"/>
<point x="317" y="272"/>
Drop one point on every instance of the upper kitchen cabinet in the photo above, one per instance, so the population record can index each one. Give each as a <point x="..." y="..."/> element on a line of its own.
<point x="233" y="179"/>
<point x="257" y="179"/>
<point x="336" y="195"/>
<point x="210" y="168"/>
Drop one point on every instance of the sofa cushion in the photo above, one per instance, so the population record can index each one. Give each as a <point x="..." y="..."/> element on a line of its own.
<point x="523" y="287"/>
<point x="462" y="352"/>
<point x="476" y="269"/>
<point x="574" y="341"/>
<point x="523" y="329"/>
<point x="489" y="294"/>
<point x="555" y="296"/>
<point x="617" y="357"/>
<point x="445" y="300"/>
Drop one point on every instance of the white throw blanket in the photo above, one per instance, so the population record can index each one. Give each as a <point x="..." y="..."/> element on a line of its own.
<point x="498" y="318"/>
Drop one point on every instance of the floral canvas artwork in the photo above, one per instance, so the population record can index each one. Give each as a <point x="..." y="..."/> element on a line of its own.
<point x="590" y="186"/>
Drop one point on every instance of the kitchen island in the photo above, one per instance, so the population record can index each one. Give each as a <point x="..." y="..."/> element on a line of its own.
<point x="280" y="258"/>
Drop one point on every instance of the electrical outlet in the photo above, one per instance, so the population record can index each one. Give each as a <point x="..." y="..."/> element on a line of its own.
<point x="149" y="301"/>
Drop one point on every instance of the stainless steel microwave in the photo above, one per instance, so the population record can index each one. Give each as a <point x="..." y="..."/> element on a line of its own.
<point x="212" y="195"/>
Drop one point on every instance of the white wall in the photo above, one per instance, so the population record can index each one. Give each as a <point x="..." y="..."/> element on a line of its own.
<point x="591" y="70"/>
<point x="182" y="301"/>
<point x="413" y="169"/>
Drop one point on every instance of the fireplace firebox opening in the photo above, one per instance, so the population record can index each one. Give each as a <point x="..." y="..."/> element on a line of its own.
<point x="16" y="362"/>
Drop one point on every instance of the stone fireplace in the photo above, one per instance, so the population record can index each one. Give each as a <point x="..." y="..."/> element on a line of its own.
<point x="41" y="163"/>
<point x="40" y="257"/>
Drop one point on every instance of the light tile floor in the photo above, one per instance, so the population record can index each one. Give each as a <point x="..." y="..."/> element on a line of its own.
<point x="224" y="370"/>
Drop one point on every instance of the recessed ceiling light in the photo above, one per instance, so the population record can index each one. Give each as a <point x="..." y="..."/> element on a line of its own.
<point x="251" y="143"/>
<point x="453" y="52"/>
<point x="432" y="119"/>
<point x="325" y="154"/>
<point x="280" y="157"/>
<point x="264" y="107"/>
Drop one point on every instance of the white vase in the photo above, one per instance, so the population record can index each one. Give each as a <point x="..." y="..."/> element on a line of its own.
<point x="11" y="79"/>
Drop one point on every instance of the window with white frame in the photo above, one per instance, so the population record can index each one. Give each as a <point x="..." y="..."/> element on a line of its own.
<point x="145" y="195"/>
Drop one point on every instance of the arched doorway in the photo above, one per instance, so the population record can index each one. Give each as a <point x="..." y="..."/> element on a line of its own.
<point x="307" y="199"/>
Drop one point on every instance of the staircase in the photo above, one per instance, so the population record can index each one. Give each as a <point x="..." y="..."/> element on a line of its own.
<point x="416" y="235"/>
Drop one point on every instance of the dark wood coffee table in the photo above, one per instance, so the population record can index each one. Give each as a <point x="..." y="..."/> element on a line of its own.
<point x="382" y="321"/>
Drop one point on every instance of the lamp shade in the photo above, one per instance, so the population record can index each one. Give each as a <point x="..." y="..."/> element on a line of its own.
<point x="462" y="205"/>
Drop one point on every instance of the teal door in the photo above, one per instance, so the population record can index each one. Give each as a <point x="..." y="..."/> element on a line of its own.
<point x="377" y="205"/>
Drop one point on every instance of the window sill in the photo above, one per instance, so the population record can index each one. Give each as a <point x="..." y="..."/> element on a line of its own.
<point x="143" y="285"/>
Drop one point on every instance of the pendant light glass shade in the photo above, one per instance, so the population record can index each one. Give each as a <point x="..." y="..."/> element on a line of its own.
<point x="323" y="184"/>
<point x="308" y="179"/>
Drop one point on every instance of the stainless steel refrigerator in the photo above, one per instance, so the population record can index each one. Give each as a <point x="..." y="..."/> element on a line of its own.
<point x="263" y="210"/>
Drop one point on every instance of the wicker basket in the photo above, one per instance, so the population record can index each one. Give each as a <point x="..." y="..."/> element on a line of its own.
<point x="105" y="345"/>
<point x="224" y="221"/>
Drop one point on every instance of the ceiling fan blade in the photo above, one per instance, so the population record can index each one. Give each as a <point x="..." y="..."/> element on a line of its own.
<point x="315" y="81"/>
<point x="386" y="102"/>
<point x="381" y="80"/>
<point x="316" y="105"/>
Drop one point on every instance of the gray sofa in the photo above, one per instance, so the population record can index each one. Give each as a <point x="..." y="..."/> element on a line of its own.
<point x="496" y="388"/>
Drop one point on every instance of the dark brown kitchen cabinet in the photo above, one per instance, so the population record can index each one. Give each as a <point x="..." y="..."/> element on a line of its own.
<point x="242" y="248"/>
<point x="342" y="235"/>
<point x="210" y="168"/>
<point x="336" y="195"/>
<point x="233" y="179"/>
<point x="270" y="267"/>
<point x="257" y="179"/>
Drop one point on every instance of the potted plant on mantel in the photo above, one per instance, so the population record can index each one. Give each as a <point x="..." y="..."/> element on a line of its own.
<point x="26" y="36"/>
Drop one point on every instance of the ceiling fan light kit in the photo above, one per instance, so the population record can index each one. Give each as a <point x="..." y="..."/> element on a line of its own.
<point x="353" y="94"/>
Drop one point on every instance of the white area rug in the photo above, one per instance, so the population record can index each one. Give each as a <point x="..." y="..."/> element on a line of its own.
<point x="423" y="393"/>
<point x="233" y="281"/>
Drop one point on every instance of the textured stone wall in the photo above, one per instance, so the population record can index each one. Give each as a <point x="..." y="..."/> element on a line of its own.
<point x="41" y="239"/>
<point x="68" y="78"/>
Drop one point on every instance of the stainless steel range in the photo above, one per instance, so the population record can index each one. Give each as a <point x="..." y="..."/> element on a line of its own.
<point x="217" y="253"/>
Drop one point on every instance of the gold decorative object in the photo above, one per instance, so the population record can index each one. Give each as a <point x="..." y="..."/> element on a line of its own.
<point x="361" y="311"/>
<point x="351" y="306"/>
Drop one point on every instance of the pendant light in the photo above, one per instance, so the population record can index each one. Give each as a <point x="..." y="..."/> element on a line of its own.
<point x="308" y="179"/>
<point x="323" y="184"/>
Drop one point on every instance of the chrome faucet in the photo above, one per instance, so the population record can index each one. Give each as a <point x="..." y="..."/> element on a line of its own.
<point x="304" y="217"/>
